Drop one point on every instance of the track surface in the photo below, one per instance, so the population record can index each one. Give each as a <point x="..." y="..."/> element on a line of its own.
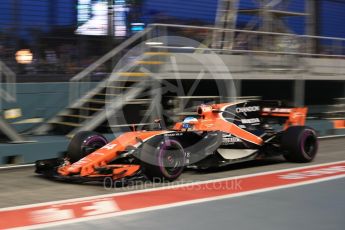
<point x="317" y="206"/>
<point x="22" y="186"/>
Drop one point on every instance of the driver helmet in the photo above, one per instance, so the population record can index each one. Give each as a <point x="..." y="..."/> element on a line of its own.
<point x="187" y="122"/>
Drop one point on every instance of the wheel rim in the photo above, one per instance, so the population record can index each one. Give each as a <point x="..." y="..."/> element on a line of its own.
<point x="92" y="144"/>
<point x="171" y="159"/>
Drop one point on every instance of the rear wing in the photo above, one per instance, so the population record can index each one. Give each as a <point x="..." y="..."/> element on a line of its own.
<point x="292" y="116"/>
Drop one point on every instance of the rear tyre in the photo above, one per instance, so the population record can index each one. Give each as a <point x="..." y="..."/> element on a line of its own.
<point x="84" y="143"/>
<point x="163" y="159"/>
<point x="300" y="144"/>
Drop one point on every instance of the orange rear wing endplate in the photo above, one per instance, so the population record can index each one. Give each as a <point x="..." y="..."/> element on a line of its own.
<point x="294" y="116"/>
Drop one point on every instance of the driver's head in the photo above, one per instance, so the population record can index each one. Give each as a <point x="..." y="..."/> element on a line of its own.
<point x="188" y="122"/>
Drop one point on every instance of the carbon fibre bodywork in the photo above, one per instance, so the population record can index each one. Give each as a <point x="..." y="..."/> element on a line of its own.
<point x="221" y="134"/>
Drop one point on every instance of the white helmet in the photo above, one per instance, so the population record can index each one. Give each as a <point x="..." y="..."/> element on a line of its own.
<point x="188" y="122"/>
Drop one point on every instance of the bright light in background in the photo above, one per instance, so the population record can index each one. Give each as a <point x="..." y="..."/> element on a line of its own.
<point x="120" y="18"/>
<point x="154" y="43"/>
<point x="24" y="56"/>
<point x="136" y="27"/>
<point x="93" y="17"/>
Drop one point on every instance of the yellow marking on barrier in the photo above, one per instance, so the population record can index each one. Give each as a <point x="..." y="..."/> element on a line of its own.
<point x="157" y="53"/>
<point x="149" y="62"/>
<point x="121" y="80"/>
<point x="29" y="121"/>
<point x="132" y="74"/>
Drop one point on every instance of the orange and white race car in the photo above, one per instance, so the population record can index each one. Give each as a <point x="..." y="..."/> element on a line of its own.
<point x="221" y="134"/>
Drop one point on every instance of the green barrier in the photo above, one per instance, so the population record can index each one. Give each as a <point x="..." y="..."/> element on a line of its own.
<point x="38" y="102"/>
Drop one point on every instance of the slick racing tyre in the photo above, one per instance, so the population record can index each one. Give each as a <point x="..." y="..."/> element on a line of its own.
<point x="163" y="159"/>
<point x="84" y="143"/>
<point x="300" y="144"/>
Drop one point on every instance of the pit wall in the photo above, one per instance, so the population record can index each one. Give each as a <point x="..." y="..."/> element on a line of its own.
<point x="38" y="102"/>
<point x="44" y="100"/>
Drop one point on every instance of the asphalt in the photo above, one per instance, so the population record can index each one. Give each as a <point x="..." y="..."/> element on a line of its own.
<point x="317" y="206"/>
<point x="21" y="186"/>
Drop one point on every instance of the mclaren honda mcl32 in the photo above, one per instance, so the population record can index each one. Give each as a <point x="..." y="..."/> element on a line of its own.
<point x="221" y="134"/>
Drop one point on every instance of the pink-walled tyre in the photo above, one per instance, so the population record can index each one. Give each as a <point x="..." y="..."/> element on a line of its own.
<point x="163" y="159"/>
<point x="84" y="143"/>
<point x="300" y="144"/>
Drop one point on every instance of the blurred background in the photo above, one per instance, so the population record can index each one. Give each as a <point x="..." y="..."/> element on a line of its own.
<point x="56" y="56"/>
<point x="65" y="36"/>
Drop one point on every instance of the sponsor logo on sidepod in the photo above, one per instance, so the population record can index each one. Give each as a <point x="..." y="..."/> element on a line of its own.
<point x="247" y="109"/>
<point x="250" y="121"/>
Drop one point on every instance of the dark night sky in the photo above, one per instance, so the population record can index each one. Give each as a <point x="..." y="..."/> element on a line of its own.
<point x="36" y="13"/>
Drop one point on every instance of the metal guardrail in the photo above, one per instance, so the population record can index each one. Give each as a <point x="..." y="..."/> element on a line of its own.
<point x="244" y="31"/>
<point x="304" y="41"/>
<point x="238" y="51"/>
<point x="8" y="94"/>
<point x="7" y="81"/>
<point x="299" y="48"/>
<point x="76" y="90"/>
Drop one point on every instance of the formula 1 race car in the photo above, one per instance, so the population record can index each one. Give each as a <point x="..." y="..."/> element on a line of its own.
<point x="221" y="134"/>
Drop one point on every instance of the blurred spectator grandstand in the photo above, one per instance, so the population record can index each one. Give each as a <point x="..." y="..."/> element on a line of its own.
<point x="48" y="28"/>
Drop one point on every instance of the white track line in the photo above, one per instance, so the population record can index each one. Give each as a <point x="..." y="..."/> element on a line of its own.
<point x="166" y="187"/>
<point x="84" y="219"/>
<point x="331" y="136"/>
<point x="16" y="166"/>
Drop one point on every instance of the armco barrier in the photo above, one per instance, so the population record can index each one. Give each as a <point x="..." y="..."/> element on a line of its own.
<point x="43" y="147"/>
<point x="38" y="100"/>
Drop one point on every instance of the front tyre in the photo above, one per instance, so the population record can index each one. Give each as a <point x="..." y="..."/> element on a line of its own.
<point x="163" y="159"/>
<point x="300" y="144"/>
<point x="84" y="143"/>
